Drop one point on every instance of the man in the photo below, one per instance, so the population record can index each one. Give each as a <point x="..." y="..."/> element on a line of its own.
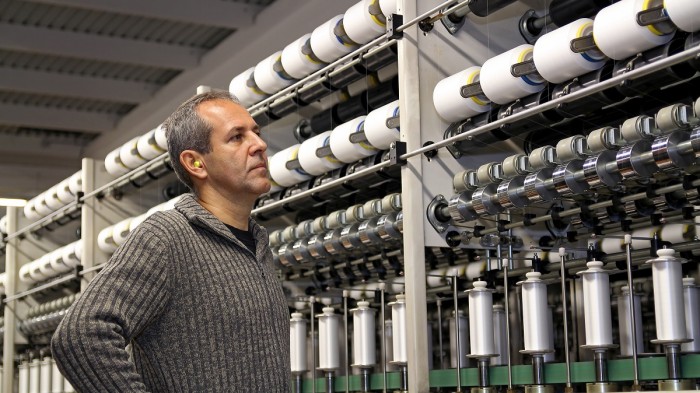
<point x="193" y="289"/>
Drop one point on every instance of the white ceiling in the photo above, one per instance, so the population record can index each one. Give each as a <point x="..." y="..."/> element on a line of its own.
<point x="80" y="77"/>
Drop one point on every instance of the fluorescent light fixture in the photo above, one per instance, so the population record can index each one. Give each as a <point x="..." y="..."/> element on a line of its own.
<point x="12" y="202"/>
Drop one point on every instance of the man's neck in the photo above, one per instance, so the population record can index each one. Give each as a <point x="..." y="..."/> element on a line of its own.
<point x="229" y="210"/>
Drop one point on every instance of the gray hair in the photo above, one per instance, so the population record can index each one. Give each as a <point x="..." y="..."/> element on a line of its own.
<point x="185" y="129"/>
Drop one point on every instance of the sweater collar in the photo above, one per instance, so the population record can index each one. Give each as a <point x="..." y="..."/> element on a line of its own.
<point x="201" y="217"/>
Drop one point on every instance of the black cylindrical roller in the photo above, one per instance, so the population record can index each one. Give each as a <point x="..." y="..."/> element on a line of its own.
<point x="323" y="121"/>
<point x="486" y="7"/>
<point x="350" y="109"/>
<point x="383" y="94"/>
<point x="562" y="12"/>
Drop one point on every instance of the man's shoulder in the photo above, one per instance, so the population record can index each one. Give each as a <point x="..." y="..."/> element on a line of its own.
<point x="164" y="224"/>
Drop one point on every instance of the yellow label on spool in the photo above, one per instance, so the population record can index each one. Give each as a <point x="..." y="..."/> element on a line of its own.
<point x="470" y="79"/>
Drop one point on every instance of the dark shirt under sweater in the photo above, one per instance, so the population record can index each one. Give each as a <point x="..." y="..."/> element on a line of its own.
<point x="202" y="313"/>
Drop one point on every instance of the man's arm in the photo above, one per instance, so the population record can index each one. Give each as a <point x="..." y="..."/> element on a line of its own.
<point x="89" y="344"/>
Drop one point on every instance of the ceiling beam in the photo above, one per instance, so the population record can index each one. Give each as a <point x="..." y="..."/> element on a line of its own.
<point x="87" y="46"/>
<point x="52" y="83"/>
<point x="232" y="15"/>
<point x="56" y="119"/>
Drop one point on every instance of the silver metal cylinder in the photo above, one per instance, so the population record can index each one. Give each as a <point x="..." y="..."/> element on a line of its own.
<point x="45" y="376"/>
<point x="297" y="336"/>
<point x="458" y="351"/>
<point x="328" y="348"/>
<point x="364" y="336"/>
<point x="499" y="336"/>
<point x="596" y="305"/>
<point x="625" y="322"/>
<point x="481" y="332"/>
<point x="691" y="297"/>
<point x="668" y="296"/>
<point x="534" y="294"/>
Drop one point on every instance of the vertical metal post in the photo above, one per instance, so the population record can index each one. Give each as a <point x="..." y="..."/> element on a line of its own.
<point x="383" y="344"/>
<point x="439" y="311"/>
<point x="562" y="256"/>
<point x="455" y="298"/>
<point x="412" y="180"/>
<point x="314" y="344"/>
<point x="347" y="345"/>
<point x="11" y="270"/>
<point x="506" y="308"/>
<point x="633" y="321"/>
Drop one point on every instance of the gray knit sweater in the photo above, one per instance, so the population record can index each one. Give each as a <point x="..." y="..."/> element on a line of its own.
<point x="203" y="314"/>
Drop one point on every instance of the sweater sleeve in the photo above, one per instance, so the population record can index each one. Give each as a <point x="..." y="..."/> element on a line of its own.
<point x="119" y="303"/>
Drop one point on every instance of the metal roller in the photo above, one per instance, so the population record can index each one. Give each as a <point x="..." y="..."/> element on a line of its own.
<point x="668" y="152"/>
<point x="631" y="163"/>
<point x="601" y="170"/>
<point x="510" y="193"/>
<point x="568" y="178"/>
<point x="484" y="200"/>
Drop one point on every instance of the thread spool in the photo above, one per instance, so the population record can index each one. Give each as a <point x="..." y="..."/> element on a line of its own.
<point x="270" y="75"/>
<point x="672" y="233"/>
<point x="328" y="348"/>
<point x="45" y="376"/>
<point x="129" y="154"/>
<point x="549" y="356"/>
<point x="148" y="147"/>
<point x="56" y="261"/>
<point x="625" y="322"/>
<point x="398" y="331"/>
<point x="343" y="148"/>
<point x="500" y="86"/>
<point x="617" y="33"/>
<point x="329" y="41"/>
<point x="449" y="102"/>
<point x="121" y="231"/>
<point x="29" y="210"/>
<point x="161" y="137"/>
<point x="35" y="271"/>
<point x="279" y="172"/>
<point x="105" y="240"/>
<point x="554" y="59"/>
<point x="243" y="87"/>
<point x="40" y="205"/>
<point x="388" y="7"/>
<point x="364" y="340"/>
<point x="377" y="132"/>
<point x="3" y="224"/>
<point x="3" y="283"/>
<point x="500" y="339"/>
<point x="299" y="60"/>
<point x="461" y="351"/>
<point x="481" y="331"/>
<point x="114" y="164"/>
<point x="56" y="378"/>
<point x="51" y="199"/>
<point x="45" y="267"/>
<point x="668" y="296"/>
<point x="64" y="193"/>
<point x="364" y="21"/>
<point x="297" y="334"/>
<point x="534" y="295"/>
<point x="310" y="162"/>
<point x="683" y="14"/>
<point x="596" y="305"/>
<point x="691" y="300"/>
<point x="72" y="254"/>
<point x="34" y="375"/>
<point x="75" y="182"/>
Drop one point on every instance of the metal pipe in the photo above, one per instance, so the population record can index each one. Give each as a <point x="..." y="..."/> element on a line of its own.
<point x="562" y="256"/>
<point x="538" y="369"/>
<point x="404" y="378"/>
<point x="364" y="380"/>
<point x="633" y="322"/>
<point x="601" y="366"/>
<point x="483" y="371"/>
<point x="330" y="382"/>
<point x="455" y="298"/>
<point x="298" y="383"/>
<point x="673" y="361"/>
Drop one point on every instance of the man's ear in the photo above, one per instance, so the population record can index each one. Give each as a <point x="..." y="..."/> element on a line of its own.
<point x="193" y="163"/>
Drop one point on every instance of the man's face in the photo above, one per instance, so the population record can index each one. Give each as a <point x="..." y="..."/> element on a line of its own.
<point x="237" y="163"/>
